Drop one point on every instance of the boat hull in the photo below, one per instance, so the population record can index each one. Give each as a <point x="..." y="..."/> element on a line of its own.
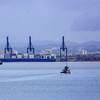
<point x="27" y="60"/>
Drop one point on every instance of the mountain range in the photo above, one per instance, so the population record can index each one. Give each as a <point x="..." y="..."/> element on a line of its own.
<point x="73" y="47"/>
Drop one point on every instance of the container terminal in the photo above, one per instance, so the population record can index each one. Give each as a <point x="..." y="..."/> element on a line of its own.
<point x="31" y="56"/>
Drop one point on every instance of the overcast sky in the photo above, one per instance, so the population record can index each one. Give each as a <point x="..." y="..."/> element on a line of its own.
<point x="77" y="20"/>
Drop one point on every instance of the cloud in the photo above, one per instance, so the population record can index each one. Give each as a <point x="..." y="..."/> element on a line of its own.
<point x="87" y="22"/>
<point x="49" y="18"/>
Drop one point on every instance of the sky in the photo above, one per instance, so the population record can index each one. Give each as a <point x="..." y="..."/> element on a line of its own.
<point x="77" y="20"/>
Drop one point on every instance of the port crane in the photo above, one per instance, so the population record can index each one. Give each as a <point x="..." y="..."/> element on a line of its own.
<point x="63" y="51"/>
<point x="7" y="49"/>
<point x="30" y="49"/>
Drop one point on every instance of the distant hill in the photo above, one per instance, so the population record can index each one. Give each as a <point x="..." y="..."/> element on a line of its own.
<point x="73" y="47"/>
<point x="91" y="46"/>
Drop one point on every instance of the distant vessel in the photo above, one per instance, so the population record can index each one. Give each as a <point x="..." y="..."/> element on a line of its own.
<point x="1" y="62"/>
<point x="26" y="60"/>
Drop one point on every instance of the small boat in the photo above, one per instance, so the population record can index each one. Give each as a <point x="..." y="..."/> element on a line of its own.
<point x="66" y="70"/>
<point x="1" y="62"/>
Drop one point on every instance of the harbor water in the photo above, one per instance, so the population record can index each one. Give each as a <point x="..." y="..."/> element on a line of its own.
<point x="43" y="81"/>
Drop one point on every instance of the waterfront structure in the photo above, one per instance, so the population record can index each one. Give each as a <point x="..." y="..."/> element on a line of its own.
<point x="84" y="52"/>
<point x="63" y="51"/>
<point x="7" y="49"/>
<point x="47" y="56"/>
<point x="30" y="49"/>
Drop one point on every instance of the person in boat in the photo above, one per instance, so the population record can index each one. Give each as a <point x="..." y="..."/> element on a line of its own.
<point x="66" y="70"/>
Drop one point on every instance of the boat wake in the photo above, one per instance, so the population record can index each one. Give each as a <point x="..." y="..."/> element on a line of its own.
<point x="28" y="77"/>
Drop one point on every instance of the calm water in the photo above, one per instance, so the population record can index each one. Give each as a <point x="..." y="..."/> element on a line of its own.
<point x="43" y="81"/>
